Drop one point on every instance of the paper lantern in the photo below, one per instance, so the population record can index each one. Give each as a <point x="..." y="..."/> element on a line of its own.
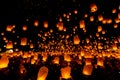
<point x="67" y="58"/>
<point x="60" y="26"/>
<point x="9" y="45"/>
<point x="114" y="11"/>
<point x="76" y="40"/>
<point x="65" y="72"/>
<point x="119" y="15"/>
<point x="25" y="55"/>
<point x="56" y="60"/>
<point x="45" y="24"/>
<point x="75" y="11"/>
<point x="99" y="28"/>
<point x="36" y="23"/>
<point x="44" y="58"/>
<point x="91" y="18"/>
<point x="24" y="28"/>
<point x="87" y="70"/>
<point x="100" y="17"/>
<point x="9" y="28"/>
<point x="31" y="46"/>
<point x="82" y="24"/>
<point x="4" y="61"/>
<point x="42" y="74"/>
<point x="22" y="69"/>
<point x="88" y="61"/>
<point x="23" y="41"/>
<point x="115" y="25"/>
<point x="33" y="61"/>
<point x="100" y="62"/>
<point x="93" y="7"/>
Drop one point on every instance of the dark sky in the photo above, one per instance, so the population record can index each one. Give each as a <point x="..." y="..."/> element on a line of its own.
<point x="17" y="11"/>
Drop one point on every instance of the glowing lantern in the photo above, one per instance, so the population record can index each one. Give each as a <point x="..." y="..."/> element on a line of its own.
<point x="100" y="62"/>
<point x="45" y="24"/>
<point x="109" y="21"/>
<point x="24" y="28"/>
<point x="99" y="28"/>
<point x="88" y="61"/>
<point x="114" y="11"/>
<point x="9" y="28"/>
<point x="67" y="58"/>
<point x="42" y="74"/>
<point x="104" y="21"/>
<point x="75" y="11"/>
<point x="119" y="15"/>
<point x="117" y="20"/>
<point x="87" y="40"/>
<point x="9" y="45"/>
<point x="36" y="23"/>
<point x="44" y="58"/>
<point x="31" y="46"/>
<point x="93" y="7"/>
<point x="118" y="38"/>
<point x="25" y="55"/>
<point x="23" y="41"/>
<point x="91" y="18"/>
<point x="103" y="32"/>
<point x="32" y="61"/>
<point x="35" y="56"/>
<point x="65" y="72"/>
<point x="115" y="25"/>
<point x="87" y="70"/>
<point x="22" y="69"/>
<point x="82" y="24"/>
<point x="60" y="26"/>
<point x="76" y="39"/>
<point x="115" y="47"/>
<point x="56" y="60"/>
<point x="4" y="61"/>
<point x="100" y="17"/>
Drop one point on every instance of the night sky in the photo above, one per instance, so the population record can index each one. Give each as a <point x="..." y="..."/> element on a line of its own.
<point x="25" y="12"/>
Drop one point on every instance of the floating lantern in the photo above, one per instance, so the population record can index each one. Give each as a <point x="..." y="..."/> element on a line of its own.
<point x="42" y="74"/>
<point x="99" y="28"/>
<point x="4" y="61"/>
<point x="76" y="39"/>
<point x="82" y="24"/>
<point x="36" y="23"/>
<point x="93" y="7"/>
<point x="24" y="28"/>
<point x="100" y="62"/>
<point x="23" y="41"/>
<point x="9" y="45"/>
<point x="56" y="60"/>
<point x="87" y="70"/>
<point x="65" y="72"/>
<point x="45" y="24"/>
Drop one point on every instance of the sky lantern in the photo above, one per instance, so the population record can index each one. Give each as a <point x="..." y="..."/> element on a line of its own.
<point x="115" y="25"/>
<point x="44" y="58"/>
<point x="67" y="58"/>
<point x="65" y="72"/>
<point x="100" y="62"/>
<point x="87" y="70"/>
<point x="36" y="23"/>
<point x="82" y="24"/>
<point x="24" y="41"/>
<point x="119" y="15"/>
<point x="99" y="28"/>
<point x="9" y="45"/>
<point x="93" y="8"/>
<point x="45" y="24"/>
<point x="9" y="28"/>
<point x="24" y="28"/>
<point x="119" y="39"/>
<point x="100" y="17"/>
<point x="33" y="61"/>
<point x="114" y="11"/>
<point x="22" y="69"/>
<point x="75" y="11"/>
<point x="60" y="26"/>
<point x="42" y="73"/>
<point x="88" y="61"/>
<point x="31" y="45"/>
<point x="4" y="61"/>
<point x="91" y="18"/>
<point x="76" y="39"/>
<point x="56" y="60"/>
